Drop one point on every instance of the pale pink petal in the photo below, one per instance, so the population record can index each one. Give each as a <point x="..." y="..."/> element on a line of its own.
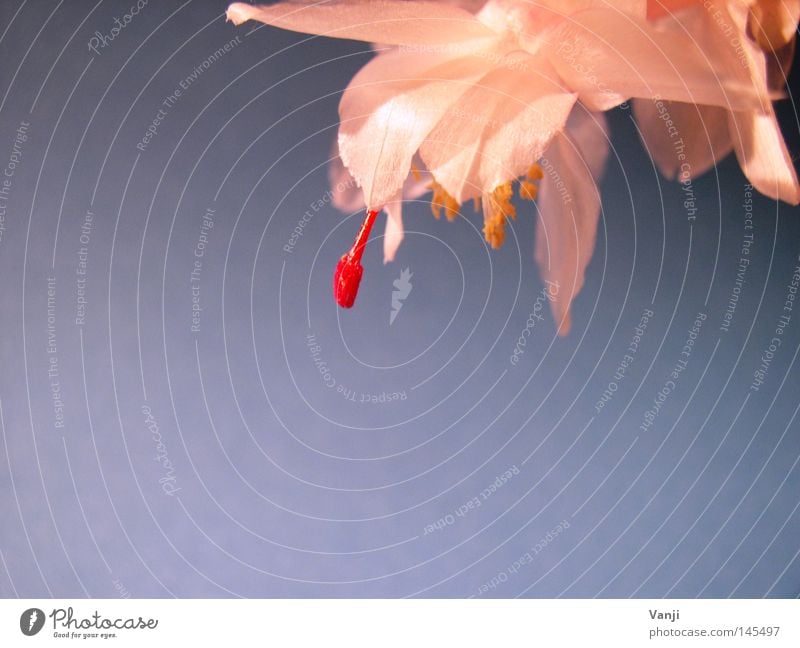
<point x="774" y="24"/>
<point x="589" y="131"/>
<point x="681" y="138"/>
<point x="497" y="129"/>
<point x="791" y="17"/>
<point x="416" y="184"/>
<point x="569" y="210"/>
<point x="755" y="134"/>
<point x="721" y="32"/>
<point x="345" y="193"/>
<point x="528" y="19"/>
<point x="390" y="107"/>
<point x="779" y="62"/>
<point x="392" y="22"/>
<point x="762" y="154"/>
<point x="394" y="232"/>
<point x="607" y="58"/>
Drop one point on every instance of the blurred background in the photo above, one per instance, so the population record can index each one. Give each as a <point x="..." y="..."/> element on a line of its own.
<point x="186" y="412"/>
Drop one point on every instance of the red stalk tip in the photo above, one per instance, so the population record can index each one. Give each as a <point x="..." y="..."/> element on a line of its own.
<point x="349" y="270"/>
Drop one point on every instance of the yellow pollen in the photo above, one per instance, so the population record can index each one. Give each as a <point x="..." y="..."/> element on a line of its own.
<point x="443" y="200"/>
<point x="527" y="190"/>
<point x="415" y="173"/>
<point x="497" y="208"/>
<point x="535" y="172"/>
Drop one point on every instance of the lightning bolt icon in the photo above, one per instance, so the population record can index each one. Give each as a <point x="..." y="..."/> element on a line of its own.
<point x="403" y="288"/>
<point x="32" y="620"/>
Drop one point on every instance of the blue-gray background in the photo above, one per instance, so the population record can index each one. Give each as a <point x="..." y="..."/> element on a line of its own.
<point x="240" y="460"/>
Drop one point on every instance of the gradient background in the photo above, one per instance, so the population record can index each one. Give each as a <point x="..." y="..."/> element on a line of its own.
<point x="280" y="485"/>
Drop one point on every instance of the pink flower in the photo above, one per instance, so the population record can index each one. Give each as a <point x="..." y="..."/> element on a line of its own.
<point x="482" y="98"/>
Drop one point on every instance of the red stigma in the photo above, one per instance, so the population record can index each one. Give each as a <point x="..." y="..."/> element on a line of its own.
<point x="349" y="269"/>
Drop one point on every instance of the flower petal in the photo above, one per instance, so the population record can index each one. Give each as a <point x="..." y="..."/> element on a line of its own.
<point x="394" y="232"/>
<point x="389" y="108"/>
<point x="569" y="209"/>
<point x="416" y="184"/>
<point x="345" y="193"/>
<point x="498" y="128"/>
<point x="683" y="137"/>
<point x="607" y="58"/>
<point x="762" y="154"/>
<point x="779" y="62"/>
<point x="391" y="22"/>
<point x="721" y="32"/>
<point x="589" y="131"/>
<point x="528" y="19"/>
<point x="774" y="24"/>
